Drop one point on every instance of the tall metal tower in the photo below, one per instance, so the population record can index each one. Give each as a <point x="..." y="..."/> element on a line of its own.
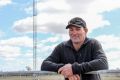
<point x="34" y="36"/>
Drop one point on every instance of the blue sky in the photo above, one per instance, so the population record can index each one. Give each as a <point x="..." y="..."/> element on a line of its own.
<point x="16" y="26"/>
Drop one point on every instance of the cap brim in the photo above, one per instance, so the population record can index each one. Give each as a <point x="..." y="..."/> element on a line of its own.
<point x="73" y="25"/>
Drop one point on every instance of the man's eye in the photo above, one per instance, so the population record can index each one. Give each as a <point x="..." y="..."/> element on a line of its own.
<point x="78" y="29"/>
<point x="71" y="29"/>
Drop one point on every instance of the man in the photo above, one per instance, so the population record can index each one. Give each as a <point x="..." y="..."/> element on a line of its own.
<point x="77" y="56"/>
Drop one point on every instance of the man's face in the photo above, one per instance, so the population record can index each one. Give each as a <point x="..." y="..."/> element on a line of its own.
<point x="77" y="34"/>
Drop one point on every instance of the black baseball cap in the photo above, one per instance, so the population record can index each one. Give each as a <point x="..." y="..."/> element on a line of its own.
<point x="78" y="22"/>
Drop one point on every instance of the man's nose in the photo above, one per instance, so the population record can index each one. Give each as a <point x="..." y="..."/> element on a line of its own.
<point x="74" y="32"/>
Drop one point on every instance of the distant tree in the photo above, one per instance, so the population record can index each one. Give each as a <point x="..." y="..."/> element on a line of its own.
<point x="28" y="68"/>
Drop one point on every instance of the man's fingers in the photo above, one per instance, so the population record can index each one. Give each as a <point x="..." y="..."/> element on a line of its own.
<point x="66" y="70"/>
<point x="60" y="70"/>
<point x="78" y="77"/>
<point x="73" y="77"/>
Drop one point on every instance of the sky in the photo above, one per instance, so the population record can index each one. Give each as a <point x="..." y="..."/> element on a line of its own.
<point x="16" y="29"/>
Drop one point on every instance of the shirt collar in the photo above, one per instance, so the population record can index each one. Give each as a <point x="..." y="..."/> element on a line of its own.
<point x="69" y="42"/>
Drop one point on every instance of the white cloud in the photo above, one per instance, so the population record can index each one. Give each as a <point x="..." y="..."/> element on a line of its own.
<point x="9" y="53"/>
<point x="100" y="6"/>
<point x="111" y="45"/>
<point x="47" y="45"/>
<point x="44" y="49"/>
<point x="53" y="15"/>
<point x="109" y="41"/>
<point x="24" y="25"/>
<point x="14" y="58"/>
<point x="52" y="6"/>
<point x="23" y="41"/>
<point x="39" y="62"/>
<point x="115" y="53"/>
<point x="16" y="65"/>
<point x="29" y="54"/>
<point x="114" y="64"/>
<point x="50" y="39"/>
<point x="11" y="48"/>
<point x="4" y="2"/>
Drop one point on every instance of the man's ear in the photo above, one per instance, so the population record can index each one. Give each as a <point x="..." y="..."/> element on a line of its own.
<point x="86" y="30"/>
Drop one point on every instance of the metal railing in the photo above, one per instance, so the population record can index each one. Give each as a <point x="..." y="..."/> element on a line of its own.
<point x="107" y="74"/>
<point x="30" y="75"/>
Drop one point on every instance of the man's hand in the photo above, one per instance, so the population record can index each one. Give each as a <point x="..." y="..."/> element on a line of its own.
<point x="74" y="77"/>
<point x="66" y="70"/>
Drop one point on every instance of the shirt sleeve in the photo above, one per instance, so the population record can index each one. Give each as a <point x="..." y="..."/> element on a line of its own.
<point x="52" y="62"/>
<point x="99" y="61"/>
